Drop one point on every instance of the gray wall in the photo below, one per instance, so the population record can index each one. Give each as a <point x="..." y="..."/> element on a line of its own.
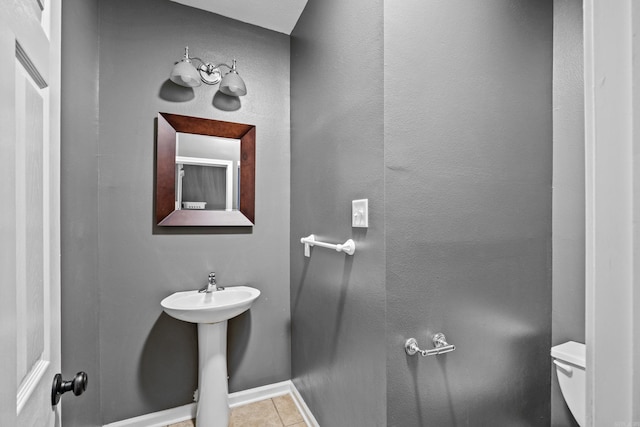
<point x="148" y="361"/>
<point x="468" y="156"/>
<point x="568" y="189"/>
<point x="79" y="207"/>
<point x="462" y="131"/>
<point x="338" y="301"/>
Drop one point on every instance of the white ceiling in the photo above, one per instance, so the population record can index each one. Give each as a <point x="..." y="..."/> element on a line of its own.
<point x="276" y="15"/>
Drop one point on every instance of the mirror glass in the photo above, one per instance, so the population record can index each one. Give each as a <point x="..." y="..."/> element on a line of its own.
<point x="205" y="172"/>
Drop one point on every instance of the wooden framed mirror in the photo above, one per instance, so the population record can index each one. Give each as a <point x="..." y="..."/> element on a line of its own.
<point x="222" y="190"/>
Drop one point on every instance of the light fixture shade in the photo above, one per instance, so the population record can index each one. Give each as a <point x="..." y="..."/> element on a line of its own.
<point x="185" y="74"/>
<point x="233" y="85"/>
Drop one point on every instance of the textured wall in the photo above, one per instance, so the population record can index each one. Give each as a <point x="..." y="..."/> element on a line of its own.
<point x="568" y="189"/>
<point x="468" y="212"/>
<point x="149" y="360"/>
<point x="338" y="301"/>
<point x="79" y="207"/>
<point x="468" y="148"/>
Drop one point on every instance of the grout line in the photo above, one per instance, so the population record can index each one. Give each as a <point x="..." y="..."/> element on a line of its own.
<point x="277" y="412"/>
<point x="293" y="400"/>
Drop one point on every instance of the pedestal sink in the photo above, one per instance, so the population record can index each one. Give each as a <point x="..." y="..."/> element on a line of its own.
<point x="211" y="312"/>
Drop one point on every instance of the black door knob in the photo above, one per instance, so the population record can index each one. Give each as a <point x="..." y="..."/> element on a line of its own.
<point x="78" y="385"/>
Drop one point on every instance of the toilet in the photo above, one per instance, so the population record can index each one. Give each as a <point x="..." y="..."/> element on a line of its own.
<point x="569" y="359"/>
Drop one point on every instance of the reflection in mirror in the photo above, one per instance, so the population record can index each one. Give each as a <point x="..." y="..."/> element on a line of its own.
<point x="207" y="172"/>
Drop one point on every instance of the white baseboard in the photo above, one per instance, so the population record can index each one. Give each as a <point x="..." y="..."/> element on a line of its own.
<point x="159" y="419"/>
<point x="187" y="412"/>
<point x="309" y="419"/>
<point x="268" y="391"/>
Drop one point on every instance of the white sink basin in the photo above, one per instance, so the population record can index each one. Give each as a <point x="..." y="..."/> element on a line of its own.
<point x="211" y="312"/>
<point x="213" y="307"/>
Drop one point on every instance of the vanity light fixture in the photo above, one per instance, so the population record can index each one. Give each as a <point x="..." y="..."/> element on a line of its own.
<point x="185" y="73"/>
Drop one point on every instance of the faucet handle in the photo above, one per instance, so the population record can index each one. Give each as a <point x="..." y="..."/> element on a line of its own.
<point x="212" y="277"/>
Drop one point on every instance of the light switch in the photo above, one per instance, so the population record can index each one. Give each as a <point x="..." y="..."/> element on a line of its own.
<point x="360" y="213"/>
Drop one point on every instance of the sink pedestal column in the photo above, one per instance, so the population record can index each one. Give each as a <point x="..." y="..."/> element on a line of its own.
<point x="213" y="395"/>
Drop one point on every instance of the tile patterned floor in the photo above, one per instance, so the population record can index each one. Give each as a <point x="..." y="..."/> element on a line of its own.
<point x="280" y="411"/>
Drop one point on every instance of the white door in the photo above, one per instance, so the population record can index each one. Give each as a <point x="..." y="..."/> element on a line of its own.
<point x="612" y="239"/>
<point x="30" y="211"/>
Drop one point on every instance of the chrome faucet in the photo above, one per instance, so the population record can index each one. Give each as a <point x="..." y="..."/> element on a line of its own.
<point x="211" y="285"/>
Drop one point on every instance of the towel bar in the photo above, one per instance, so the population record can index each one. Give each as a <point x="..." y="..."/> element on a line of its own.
<point x="348" y="247"/>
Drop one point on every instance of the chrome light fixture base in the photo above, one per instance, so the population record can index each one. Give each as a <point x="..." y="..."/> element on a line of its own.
<point x="210" y="74"/>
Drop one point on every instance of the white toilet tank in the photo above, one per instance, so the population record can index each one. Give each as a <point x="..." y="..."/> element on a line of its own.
<point x="569" y="359"/>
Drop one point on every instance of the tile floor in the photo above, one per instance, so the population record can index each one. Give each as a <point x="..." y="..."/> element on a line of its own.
<point x="279" y="411"/>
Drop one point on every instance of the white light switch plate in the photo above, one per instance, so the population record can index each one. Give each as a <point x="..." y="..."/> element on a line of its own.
<point x="360" y="213"/>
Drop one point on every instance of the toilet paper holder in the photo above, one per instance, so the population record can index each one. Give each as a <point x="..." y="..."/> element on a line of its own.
<point x="440" y="345"/>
